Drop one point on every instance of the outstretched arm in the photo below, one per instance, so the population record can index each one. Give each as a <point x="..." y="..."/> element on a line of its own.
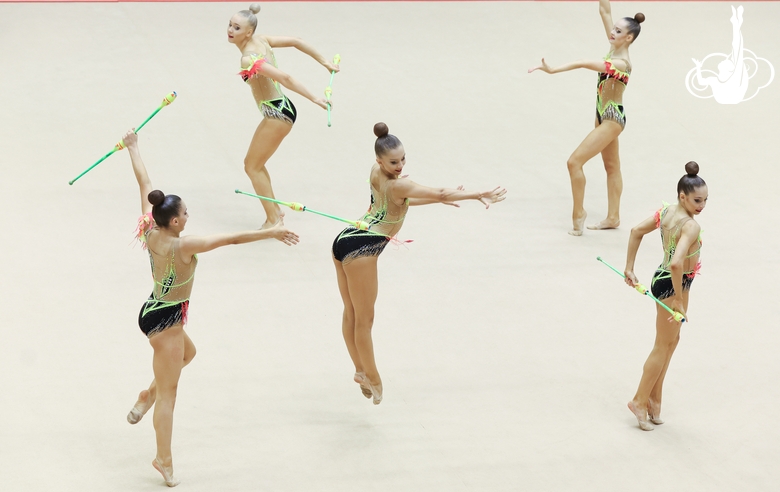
<point x="191" y="245"/>
<point x="288" y="81"/>
<point x="144" y="183"/>
<point x="423" y="195"/>
<point x="605" y="10"/>
<point x="596" y="66"/>
<point x="634" y="240"/>
<point x="303" y="47"/>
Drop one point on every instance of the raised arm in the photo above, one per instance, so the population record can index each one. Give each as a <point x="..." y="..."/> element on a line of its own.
<point x="423" y="195"/>
<point x="634" y="240"/>
<point x="605" y="10"/>
<point x="144" y="183"/>
<point x="596" y="66"/>
<point x="191" y="245"/>
<point x="286" y="80"/>
<point x="303" y="47"/>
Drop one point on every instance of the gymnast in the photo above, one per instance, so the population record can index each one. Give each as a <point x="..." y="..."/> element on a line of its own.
<point x="265" y="80"/>
<point x="164" y="314"/>
<point x="355" y="252"/>
<point x="614" y="71"/>
<point x="681" y="242"/>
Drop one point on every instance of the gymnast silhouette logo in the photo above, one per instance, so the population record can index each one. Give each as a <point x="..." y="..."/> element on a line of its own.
<point x="730" y="84"/>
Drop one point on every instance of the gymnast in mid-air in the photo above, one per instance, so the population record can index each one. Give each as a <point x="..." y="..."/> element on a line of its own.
<point x="614" y="71"/>
<point x="355" y="251"/>
<point x="164" y="314"/>
<point x="265" y="79"/>
<point x="681" y="243"/>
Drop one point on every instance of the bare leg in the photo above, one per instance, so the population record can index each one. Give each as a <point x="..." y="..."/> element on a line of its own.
<point x="666" y="338"/>
<point x="168" y="362"/>
<point x="611" y="157"/>
<point x="363" y="287"/>
<point x="348" y="329"/>
<point x="594" y="143"/>
<point x="147" y="397"/>
<point x="656" y="394"/>
<point x="266" y="140"/>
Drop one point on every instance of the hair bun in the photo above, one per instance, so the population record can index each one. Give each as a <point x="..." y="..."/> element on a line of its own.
<point x="640" y="17"/>
<point x="156" y="197"/>
<point x="381" y="130"/>
<point x="692" y="168"/>
<point x="255" y="8"/>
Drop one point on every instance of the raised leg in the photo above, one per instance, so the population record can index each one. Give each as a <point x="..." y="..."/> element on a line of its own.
<point x="147" y="397"/>
<point x="266" y="140"/>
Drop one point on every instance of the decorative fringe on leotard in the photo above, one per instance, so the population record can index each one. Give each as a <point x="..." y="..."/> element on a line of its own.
<point x="250" y="72"/>
<point x="145" y="224"/>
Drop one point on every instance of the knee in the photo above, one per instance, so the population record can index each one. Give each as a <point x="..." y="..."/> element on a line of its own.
<point x="252" y="166"/>
<point x="365" y="320"/>
<point x="349" y="315"/>
<point x="612" y="166"/>
<point x="573" y="165"/>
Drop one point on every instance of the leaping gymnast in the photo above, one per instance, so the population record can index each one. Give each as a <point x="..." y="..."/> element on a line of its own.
<point x="671" y="284"/>
<point x="164" y="314"/>
<point x="614" y="71"/>
<point x="265" y="79"/>
<point x="355" y="252"/>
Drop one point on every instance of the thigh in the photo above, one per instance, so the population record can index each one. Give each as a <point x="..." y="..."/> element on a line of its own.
<point x="611" y="153"/>
<point x="596" y="141"/>
<point x="168" y="348"/>
<point x="341" y="277"/>
<point x="266" y="140"/>
<point x="362" y="283"/>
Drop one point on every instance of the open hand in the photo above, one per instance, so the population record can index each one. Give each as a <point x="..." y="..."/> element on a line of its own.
<point x="494" y="196"/>
<point x="284" y="235"/>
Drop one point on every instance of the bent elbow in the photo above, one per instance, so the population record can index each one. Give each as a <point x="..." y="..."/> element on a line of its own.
<point x="676" y="267"/>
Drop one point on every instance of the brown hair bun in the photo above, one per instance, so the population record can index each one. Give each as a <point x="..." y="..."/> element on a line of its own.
<point x="640" y="17"/>
<point x="255" y="8"/>
<point x="692" y="168"/>
<point x="156" y="197"/>
<point x="381" y="130"/>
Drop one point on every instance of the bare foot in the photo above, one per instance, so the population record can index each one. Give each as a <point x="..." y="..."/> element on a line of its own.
<point x="376" y="390"/>
<point x="170" y="480"/>
<point x="604" y="224"/>
<point x="141" y="407"/>
<point x="360" y="378"/>
<point x="578" y="223"/>
<point x="654" y="412"/>
<point x="641" y="416"/>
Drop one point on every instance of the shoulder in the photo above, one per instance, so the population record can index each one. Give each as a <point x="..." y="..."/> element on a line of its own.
<point x="691" y="227"/>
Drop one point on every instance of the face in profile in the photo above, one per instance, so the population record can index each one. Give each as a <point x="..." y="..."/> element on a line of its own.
<point x="620" y="35"/>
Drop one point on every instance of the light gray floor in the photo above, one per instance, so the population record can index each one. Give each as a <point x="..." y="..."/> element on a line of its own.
<point x="507" y="352"/>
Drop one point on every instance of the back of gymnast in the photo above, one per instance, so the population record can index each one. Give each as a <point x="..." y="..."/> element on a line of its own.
<point x="162" y="318"/>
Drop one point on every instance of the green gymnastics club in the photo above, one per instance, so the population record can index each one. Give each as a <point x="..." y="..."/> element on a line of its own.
<point x="121" y="145"/>
<point x="644" y="290"/>
<point x="329" y="89"/>
<point x="299" y="207"/>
